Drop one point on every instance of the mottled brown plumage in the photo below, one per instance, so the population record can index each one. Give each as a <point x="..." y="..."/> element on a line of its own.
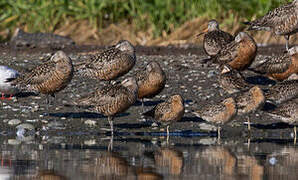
<point x="151" y="80"/>
<point x="239" y="54"/>
<point x="250" y="101"/>
<point x="112" y="99"/>
<point x="215" y="39"/>
<point x="218" y="113"/>
<point x="231" y="80"/>
<point x="282" y="92"/>
<point x="49" y="77"/>
<point x="169" y="111"/>
<point x="278" y="67"/>
<point x="282" y="21"/>
<point x="287" y="112"/>
<point x="110" y="64"/>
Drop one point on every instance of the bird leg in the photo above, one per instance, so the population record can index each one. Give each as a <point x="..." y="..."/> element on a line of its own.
<point x="218" y="133"/>
<point x="168" y="133"/>
<point x="287" y="37"/>
<point x="111" y="125"/>
<point x="4" y="98"/>
<point x="142" y="101"/>
<point x="110" y="147"/>
<point x="248" y="123"/>
<point x="295" y="134"/>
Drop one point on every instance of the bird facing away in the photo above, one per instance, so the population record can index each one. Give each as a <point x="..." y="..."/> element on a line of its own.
<point x="282" y="21"/>
<point x="169" y="111"/>
<point x="151" y="81"/>
<point x="231" y="80"/>
<point x="239" y="54"/>
<point x="250" y="101"/>
<point x="112" y="99"/>
<point x="287" y="112"/>
<point x="110" y="64"/>
<point x="278" y="67"/>
<point x="282" y="92"/>
<point x="219" y="113"/>
<point x="6" y="76"/>
<point x="215" y="39"/>
<point x="49" y="77"/>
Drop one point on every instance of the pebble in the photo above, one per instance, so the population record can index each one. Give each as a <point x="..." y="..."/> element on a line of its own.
<point x="14" y="122"/>
<point x="90" y="122"/>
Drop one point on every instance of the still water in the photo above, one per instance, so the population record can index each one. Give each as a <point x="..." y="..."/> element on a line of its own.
<point x="146" y="157"/>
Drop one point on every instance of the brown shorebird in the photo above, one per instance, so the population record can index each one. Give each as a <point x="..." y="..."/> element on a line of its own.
<point x="250" y="101"/>
<point x="147" y="174"/>
<point x="239" y="54"/>
<point x="49" y="175"/>
<point x="169" y="111"/>
<point x="6" y="76"/>
<point x="110" y="165"/>
<point x="112" y="99"/>
<point x="170" y="158"/>
<point x="278" y="67"/>
<point x="110" y="64"/>
<point x="288" y="113"/>
<point x="214" y="38"/>
<point x="282" y="21"/>
<point x="219" y="113"/>
<point x="151" y="81"/>
<point x="49" y="77"/>
<point x="231" y="80"/>
<point x="282" y="92"/>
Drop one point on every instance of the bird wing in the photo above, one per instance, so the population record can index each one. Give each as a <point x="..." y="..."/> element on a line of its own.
<point x="228" y="53"/>
<point x="273" y="64"/>
<point x="97" y="61"/>
<point x="39" y="74"/>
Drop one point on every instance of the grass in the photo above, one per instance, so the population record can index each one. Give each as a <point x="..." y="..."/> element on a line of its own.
<point x="163" y="16"/>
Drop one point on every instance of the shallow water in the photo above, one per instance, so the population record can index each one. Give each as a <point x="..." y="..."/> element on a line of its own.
<point x="150" y="157"/>
<point x="72" y="143"/>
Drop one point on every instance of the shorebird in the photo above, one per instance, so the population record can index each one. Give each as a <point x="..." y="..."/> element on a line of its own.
<point x="250" y="101"/>
<point x="282" y="21"/>
<point x="219" y="113"/>
<point x="278" y="67"/>
<point x="282" y="92"/>
<point x="231" y="80"/>
<point x="170" y="158"/>
<point x="169" y="111"/>
<point x="112" y="99"/>
<point x="6" y="76"/>
<point x="49" y="77"/>
<point x="288" y="113"/>
<point x="110" y="64"/>
<point x="239" y="54"/>
<point x="214" y="38"/>
<point x="151" y="81"/>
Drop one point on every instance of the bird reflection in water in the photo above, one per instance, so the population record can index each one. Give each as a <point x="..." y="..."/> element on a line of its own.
<point x="169" y="158"/>
<point x="49" y="175"/>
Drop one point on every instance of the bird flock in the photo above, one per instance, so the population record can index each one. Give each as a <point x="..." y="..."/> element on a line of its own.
<point x="232" y="54"/>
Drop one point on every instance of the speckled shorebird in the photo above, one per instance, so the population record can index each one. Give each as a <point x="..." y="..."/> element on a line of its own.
<point x="250" y="101"/>
<point x="151" y="81"/>
<point x="112" y="99"/>
<point x="287" y="112"/>
<point x="282" y="21"/>
<point x="239" y="54"/>
<point x="231" y="80"/>
<point x="282" y="92"/>
<point x="110" y="64"/>
<point x="278" y="67"/>
<point x="219" y="113"/>
<point x="49" y="77"/>
<point x="169" y="111"/>
<point x="214" y="38"/>
<point x="6" y="76"/>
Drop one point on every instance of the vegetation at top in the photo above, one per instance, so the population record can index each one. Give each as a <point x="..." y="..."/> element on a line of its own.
<point x="160" y="15"/>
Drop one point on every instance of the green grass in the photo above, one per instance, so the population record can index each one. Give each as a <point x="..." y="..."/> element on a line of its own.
<point x="161" y="15"/>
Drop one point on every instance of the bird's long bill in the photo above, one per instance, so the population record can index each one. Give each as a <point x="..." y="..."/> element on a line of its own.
<point x="203" y="32"/>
